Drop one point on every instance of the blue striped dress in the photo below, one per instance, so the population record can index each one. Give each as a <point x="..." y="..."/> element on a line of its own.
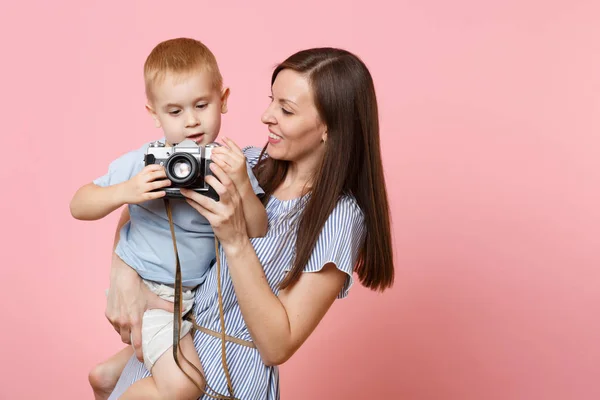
<point x="339" y="243"/>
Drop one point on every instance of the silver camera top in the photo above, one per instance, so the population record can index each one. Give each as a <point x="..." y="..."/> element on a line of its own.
<point x="187" y="146"/>
<point x="187" y="143"/>
<point x="161" y="151"/>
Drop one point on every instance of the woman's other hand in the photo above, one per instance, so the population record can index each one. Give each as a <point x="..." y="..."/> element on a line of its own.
<point x="128" y="299"/>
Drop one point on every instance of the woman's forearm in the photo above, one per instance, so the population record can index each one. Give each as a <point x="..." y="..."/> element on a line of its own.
<point x="122" y="221"/>
<point x="254" y="213"/>
<point x="117" y="266"/>
<point x="263" y="312"/>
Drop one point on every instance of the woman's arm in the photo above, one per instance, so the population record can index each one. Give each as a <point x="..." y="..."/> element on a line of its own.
<point x="255" y="214"/>
<point x="128" y="298"/>
<point x="278" y="325"/>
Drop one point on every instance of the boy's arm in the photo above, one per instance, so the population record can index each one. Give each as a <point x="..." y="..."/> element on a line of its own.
<point x="93" y="202"/>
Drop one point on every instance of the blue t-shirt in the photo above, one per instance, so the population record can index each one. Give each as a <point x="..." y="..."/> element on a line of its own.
<point x="145" y="242"/>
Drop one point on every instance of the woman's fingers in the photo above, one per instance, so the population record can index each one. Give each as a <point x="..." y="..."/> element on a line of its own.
<point x="223" y="161"/>
<point x="218" y="186"/>
<point x="155" y="302"/>
<point x="211" y="217"/>
<point x="233" y="146"/>
<point x="231" y="150"/>
<point x="125" y="334"/>
<point x="136" y="338"/>
<point x="223" y="178"/>
<point x="203" y="204"/>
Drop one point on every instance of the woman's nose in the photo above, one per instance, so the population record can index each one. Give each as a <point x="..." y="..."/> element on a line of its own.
<point x="267" y="116"/>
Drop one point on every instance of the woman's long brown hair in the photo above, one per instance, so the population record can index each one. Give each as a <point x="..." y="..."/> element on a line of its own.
<point x="345" y="99"/>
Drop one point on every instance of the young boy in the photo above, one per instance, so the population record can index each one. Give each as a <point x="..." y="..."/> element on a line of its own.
<point x="186" y="98"/>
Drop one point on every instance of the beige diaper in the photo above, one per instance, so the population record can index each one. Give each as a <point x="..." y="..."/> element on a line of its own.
<point x="157" y="324"/>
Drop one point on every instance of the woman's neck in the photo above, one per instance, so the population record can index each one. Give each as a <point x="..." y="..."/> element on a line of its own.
<point x="300" y="176"/>
<point x="297" y="182"/>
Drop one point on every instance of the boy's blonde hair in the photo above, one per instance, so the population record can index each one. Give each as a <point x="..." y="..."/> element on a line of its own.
<point x="179" y="56"/>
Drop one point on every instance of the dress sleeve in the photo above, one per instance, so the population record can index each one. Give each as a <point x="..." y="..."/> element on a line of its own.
<point x="123" y="168"/>
<point x="340" y="241"/>
<point x="252" y="154"/>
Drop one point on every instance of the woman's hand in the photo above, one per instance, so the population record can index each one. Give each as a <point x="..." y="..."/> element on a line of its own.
<point x="128" y="299"/>
<point x="232" y="161"/>
<point x="226" y="216"/>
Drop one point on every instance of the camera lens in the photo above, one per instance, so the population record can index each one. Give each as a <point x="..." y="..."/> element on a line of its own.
<point x="182" y="169"/>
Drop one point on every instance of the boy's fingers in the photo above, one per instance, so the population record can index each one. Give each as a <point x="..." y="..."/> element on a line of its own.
<point x="156" y="195"/>
<point x="153" y="167"/>
<point x="155" y="175"/>
<point x="159" y="184"/>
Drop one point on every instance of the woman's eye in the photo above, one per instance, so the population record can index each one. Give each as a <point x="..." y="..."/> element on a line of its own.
<point x="176" y="112"/>
<point x="286" y="112"/>
<point x="201" y="106"/>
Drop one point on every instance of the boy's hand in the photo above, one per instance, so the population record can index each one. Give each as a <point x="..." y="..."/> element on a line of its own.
<point x="231" y="159"/>
<point x="140" y="188"/>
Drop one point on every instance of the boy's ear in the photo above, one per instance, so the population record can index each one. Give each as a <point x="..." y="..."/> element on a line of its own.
<point x="153" y="115"/>
<point x="224" y="96"/>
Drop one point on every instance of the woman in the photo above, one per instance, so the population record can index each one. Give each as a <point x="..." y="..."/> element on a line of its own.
<point x="328" y="216"/>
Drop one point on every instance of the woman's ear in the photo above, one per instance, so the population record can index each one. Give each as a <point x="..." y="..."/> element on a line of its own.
<point x="224" y="96"/>
<point x="324" y="137"/>
<point x="153" y="115"/>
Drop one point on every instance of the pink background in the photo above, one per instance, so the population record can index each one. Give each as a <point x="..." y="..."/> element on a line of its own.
<point x="490" y="124"/>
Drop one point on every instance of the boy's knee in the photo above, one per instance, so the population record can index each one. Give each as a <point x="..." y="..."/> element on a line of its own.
<point x="100" y="376"/>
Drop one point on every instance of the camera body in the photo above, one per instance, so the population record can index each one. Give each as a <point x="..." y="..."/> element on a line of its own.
<point x="186" y="165"/>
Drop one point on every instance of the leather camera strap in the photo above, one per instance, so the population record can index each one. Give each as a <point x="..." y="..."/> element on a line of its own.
<point x="177" y="320"/>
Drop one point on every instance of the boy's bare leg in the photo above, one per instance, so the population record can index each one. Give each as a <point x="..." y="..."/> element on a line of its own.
<point x="167" y="380"/>
<point x="104" y="376"/>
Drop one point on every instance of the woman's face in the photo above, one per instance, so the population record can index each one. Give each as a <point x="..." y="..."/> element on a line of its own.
<point x="296" y="132"/>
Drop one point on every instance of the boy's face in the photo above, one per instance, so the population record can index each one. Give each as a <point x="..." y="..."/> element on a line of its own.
<point x="188" y="107"/>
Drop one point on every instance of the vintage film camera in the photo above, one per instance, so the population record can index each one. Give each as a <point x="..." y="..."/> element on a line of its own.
<point x="186" y="165"/>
